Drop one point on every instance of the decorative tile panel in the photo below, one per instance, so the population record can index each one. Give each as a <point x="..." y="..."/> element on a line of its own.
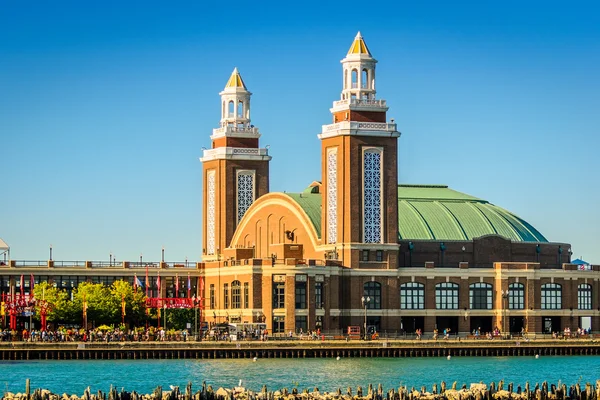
<point x="332" y="195"/>
<point x="372" y="196"/>
<point x="210" y="212"/>
<point x="245" y="192"/>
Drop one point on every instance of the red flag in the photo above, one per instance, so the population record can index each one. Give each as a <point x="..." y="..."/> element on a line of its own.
<point x="135" y="280"/>
<point x="147" y="280"/>
<point x="22" y="285"/>
<point x="123" y="305"/>
<point x="31" y="284"/>
<point x="176" y="285"/>
<point x="158" y="284"/>
<point x="201" y="286"/>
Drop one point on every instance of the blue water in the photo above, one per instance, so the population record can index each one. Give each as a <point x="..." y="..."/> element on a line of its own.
<point x="73" y="377"/>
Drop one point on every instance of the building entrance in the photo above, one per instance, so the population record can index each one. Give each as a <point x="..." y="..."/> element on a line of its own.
<point x="551" y="324"/>
<point x="516" y="324"/>
<point x="482" y="325"/>
<point x="411" y="324"/>
<point x="445" y="323"/>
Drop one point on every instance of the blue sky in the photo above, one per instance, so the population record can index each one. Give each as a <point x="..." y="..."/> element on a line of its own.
<point x="104" y="109"/>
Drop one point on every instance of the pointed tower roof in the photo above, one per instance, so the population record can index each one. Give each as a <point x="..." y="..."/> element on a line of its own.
<point x="235" y="80"/>
<point x="359" y="46"/>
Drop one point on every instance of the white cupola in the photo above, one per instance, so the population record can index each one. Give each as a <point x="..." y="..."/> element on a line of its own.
<point x="235" y="102"/>
<point x="359" y="72"/>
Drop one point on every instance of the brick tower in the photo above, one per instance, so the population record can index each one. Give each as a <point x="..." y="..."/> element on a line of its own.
<point x="235" y="169"/>
<point x="359" y="169"/>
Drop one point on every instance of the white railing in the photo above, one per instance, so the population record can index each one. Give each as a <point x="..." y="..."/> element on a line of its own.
<point x="229" y="151"/>
<point x="372" y="126"/>
<point x="360" y="102"/>
<point x="235" y="129"/>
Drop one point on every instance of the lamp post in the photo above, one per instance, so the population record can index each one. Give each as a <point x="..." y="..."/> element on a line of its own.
<point x="110" y="259"/>
<point x="504" y="299"/>
<point x="365" y="301"/>
<point x="162" y="254"/>
<point x="463" y="254"/>
<point x="165" y="314"/>
<point x="140" y="259"/>
<point x="50" y="252"/>
<point x="195" y="318"/>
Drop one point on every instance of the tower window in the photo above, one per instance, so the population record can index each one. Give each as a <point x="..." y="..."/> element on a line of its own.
<point x="231" y="109"/>
<point x="364" y="81"/>
<point x="346" y="79"/>
<point x="354" y="79"/>
<point x="240" y="110"/>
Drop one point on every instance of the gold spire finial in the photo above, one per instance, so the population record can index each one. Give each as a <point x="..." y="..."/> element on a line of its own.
<point x="235" y="80"/>
<point x="359" y="46"/>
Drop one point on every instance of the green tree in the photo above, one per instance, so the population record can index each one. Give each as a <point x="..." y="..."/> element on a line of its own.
<point x="100" y="309"/>
<point x="135" y="303"/>
<point x="57" y="300"/>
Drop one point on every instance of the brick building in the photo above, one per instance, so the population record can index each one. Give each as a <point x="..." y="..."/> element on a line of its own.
<point x="358" y="249"/>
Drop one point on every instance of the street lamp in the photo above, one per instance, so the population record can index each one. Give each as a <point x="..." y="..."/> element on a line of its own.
<point x="165" y="314"/>
<point x="50" y="252"/>
<point x="504" y="299"/>
<point x="140" y="259"/>
<point x="162" y="257"/>
<point x="365" y="301"/>
<point x="194" y="300"/>
<point x="463" y="253"/>
<point x="110" y="259"/>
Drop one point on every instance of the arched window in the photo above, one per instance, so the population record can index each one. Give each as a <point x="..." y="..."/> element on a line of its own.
<point x="480" y="296"/>
<point x="354" y="76"/>
<point x="516" y="296"/>
<point x="551" y="296"/>
<point x="231" y="109"/>
<point x="372" y="290"/>
<point x="412" y="296"/>
<point x="446" y="296"/>
<point x="364" y="79"/>
<point x="236" y="294"/>
<point x="584" y="296"/>
<point x="240" y="110"/>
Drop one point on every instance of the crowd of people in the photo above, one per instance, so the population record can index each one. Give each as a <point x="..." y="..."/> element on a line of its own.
<point x="95" y="335"/>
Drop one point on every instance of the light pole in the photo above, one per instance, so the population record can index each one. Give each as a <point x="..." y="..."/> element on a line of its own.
<point x="165" y="314"/>
<point x="463" y="254"/>
<point x="162" y="256"/>
<point x="195" y="318"/>
<point x="504" y="299"/>
<point x="365" y="301"/>
<point x="140" y="259"/>
<point x="110" y="259"/>
<point x="50" y="252"/>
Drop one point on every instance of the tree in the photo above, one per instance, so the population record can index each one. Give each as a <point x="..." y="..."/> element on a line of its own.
<point x="135" y="303"/>
<point x="59" y="308"/>
<point x="100" y="309"/>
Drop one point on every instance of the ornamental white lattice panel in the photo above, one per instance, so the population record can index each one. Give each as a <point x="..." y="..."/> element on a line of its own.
<point x="372" y="196"/>
<point x="245" y="192"/>
<point x="332" y="196"/>
<point x="210" y="211"/>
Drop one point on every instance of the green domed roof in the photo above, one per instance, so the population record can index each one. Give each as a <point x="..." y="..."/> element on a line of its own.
<point x="435" y="212"/>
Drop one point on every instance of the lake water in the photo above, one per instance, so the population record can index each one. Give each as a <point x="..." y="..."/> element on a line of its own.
<point x="143" y="376"/>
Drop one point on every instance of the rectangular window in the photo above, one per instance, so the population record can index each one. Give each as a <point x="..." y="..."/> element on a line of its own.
<point x="301" y="295"/>
<point x="279" y="295"/>
<point x="365" y="255"/>
<point x="584" y="297"/>
<point x="446" y="296"/>
<point x="301" y="324"/>
<point x="211" y="292"/>
<point x="516" y="296"/>
<point x="225" y="295"/>
<point x="319" y="295"/>
<point x="246" y="295"/>
<point x="379" y="255"/>
<point x="236" y="294"/>
<point x="279" y="325"/>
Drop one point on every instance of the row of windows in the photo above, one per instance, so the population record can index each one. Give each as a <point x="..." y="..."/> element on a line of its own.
<point x="366" y="255"/>
<point x="233" y="299"/>
<point x="412" y="296"/>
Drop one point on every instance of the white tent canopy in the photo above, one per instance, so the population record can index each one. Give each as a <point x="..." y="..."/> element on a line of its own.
<point x="4" y="249"/>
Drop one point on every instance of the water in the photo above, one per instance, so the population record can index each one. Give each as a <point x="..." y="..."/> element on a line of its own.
<point x="143" y="376"/>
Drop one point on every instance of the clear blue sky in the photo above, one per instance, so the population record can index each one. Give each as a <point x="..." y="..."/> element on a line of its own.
<point x="105" y="106"/>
